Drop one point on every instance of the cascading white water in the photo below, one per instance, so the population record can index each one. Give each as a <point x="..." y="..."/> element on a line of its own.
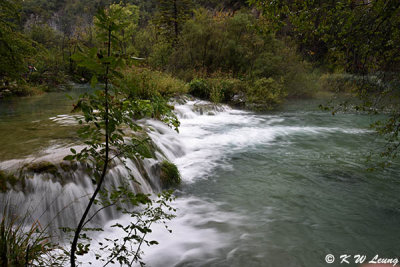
<point x="58" y="200"/>
<point x="208" y="136"/>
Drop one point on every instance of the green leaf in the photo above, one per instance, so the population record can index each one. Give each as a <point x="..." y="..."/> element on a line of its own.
<point x="69" y="157"/>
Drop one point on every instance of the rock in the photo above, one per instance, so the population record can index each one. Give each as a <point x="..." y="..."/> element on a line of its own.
<point x="43" y="167"/>
<point x="169" y="174"/>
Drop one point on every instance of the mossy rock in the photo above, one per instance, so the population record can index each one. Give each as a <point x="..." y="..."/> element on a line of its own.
<point x="43" y="167"/>
<point x="169" y="175"/>
<point x="7" y="180"/>
<point x="68" y="167"/>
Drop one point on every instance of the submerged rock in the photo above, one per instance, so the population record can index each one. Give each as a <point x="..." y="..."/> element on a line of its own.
<point x="207" y="108"/>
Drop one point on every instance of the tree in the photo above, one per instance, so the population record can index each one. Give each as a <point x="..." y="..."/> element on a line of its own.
<point x="359" y="35"/>
<point x="172" y="15"/>
<point x="109" y="115"/>
<point x="14" y="46"/>
<point x="130" y="19"/>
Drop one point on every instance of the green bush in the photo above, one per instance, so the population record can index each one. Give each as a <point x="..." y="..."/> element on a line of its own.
<point x="223" y="54"/>
<point x="159" y="58"/>
<point x="169" y="174"/>
<point x="265" y="94"/>
<point x="227" y="88"/>
<point x="338" y="83"/>
<point x="146" y="84"/>
<point x="200" y="88"/>
<point x="218" y="89"/>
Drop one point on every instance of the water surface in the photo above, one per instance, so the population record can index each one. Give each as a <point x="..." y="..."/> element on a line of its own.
<point x="282" y="188"/>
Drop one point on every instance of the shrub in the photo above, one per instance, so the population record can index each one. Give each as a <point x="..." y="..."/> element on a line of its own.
<point x="227" y="88"/>
<point x="145" y="84"/>
<point x="169" y="174"/>
<point x="161" y="53"/>
<point x="217" y="89"/>
<point x="337" y="83"/>
<point x="265" y="94"/>
<point x="200" y="88"/>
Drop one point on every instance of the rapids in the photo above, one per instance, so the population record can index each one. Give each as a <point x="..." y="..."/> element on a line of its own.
<point x="282" y="188"/>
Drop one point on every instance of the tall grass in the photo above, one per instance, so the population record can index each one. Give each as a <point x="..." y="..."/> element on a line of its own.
<point x="21" y="243"/>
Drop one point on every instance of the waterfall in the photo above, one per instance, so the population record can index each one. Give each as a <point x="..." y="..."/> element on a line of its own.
<point x="57" y="197"/>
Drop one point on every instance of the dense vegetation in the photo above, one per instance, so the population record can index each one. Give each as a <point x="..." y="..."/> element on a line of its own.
<point x="224" y="45"/>
<point x="289" y="43"/>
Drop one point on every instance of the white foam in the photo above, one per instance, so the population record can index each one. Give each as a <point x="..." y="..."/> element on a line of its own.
<point x="206" y="140"/>
<point x="194" y="234"/>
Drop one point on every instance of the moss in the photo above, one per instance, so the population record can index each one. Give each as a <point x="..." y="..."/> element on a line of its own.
<point x="6" y="180"/>
<point x="169" y="175"/>
<point x="43" y="167"/>
<point x="67" y="167"/>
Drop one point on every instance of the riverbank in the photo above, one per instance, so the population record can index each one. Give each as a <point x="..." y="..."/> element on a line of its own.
<point x="259" y="94"/>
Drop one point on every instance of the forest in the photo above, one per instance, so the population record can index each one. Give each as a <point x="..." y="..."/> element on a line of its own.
<point x="173" y="103"/>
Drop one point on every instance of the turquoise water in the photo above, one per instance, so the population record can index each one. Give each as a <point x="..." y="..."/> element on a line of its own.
<point x="283" y="188"/>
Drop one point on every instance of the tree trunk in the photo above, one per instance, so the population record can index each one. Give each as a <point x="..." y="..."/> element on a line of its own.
<point x="104" y="172"/>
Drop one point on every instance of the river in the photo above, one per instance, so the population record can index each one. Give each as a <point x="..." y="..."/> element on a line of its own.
<point x="282" y="188"/>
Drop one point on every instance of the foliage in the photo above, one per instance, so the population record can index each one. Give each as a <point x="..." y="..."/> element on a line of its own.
<point x="14" y="46"/>
<point x="355" y="36"/>
<point x="265" y="94"/>
<point x="231" y="5"/>
<point x="144" y="83"/>
<point x="217" y="89"/>
<point x="360" y="40"/>
<point x="338" y="83"/>
<point x="23" y="245"/>
<point x="227" y="46"/>
<point x="171" y="15"/>
<point x="127" y="249"/>
<point x="260" y="94"/>
<point x="200" y="88"/>
<point x="108" y="115"/>
<point x="129" y="18"/>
